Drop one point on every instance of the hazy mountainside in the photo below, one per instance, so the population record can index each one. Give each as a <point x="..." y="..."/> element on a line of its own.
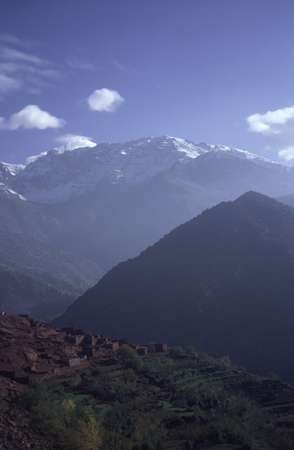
<point x="288" y="200"/>
<point x="223" y="281"/>
<point x="226" y="175"/>
<point x="69" y="217"/>
<point x="34" y="270"/>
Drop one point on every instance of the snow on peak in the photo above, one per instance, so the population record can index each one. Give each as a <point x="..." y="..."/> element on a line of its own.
<point x="234" y="151"/>
<point x="10" y="192"/>
<point x="191" y="150"/>
<point x="12" y="169"/>
<point x="68" y="142"/>
<point x="33" y="158"/>
<point x="58" y="174"/>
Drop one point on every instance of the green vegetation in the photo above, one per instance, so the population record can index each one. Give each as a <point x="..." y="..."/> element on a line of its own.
<point x="177" y="401"/>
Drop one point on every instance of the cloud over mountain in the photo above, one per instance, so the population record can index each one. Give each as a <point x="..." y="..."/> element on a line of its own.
<point x="287" y="153"/>
<point x="73" y="141"/>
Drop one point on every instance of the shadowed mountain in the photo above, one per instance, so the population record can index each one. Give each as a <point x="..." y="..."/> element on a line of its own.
<point x="35" y="270"/>
<point x="288" y="200"/>
<point x="223" y="281"/>
<point x="69" y="217"/>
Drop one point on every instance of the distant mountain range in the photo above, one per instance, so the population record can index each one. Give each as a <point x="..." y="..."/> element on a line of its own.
<point x="222" y="281"/>
<point x="69" y="217"/>
<point x="57" y="176"/>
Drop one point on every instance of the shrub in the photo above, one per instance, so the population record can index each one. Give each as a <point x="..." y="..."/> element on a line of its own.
<point x="87" y="435"/>
<point x="129" y="358"/>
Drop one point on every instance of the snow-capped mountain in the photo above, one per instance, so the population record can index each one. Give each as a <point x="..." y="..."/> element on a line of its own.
<point x="59" y="175"/>
<point x="8" y="171"/>
<point x="5" y="190"/>
<point x="66" y="217"/>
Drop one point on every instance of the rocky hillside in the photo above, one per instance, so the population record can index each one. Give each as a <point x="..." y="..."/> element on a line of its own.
<point x="53" y="398"/>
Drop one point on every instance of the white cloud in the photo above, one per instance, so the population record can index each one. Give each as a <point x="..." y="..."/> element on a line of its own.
<point x="105" y="100"/>
<point x="20" y="68"/>
<point x="73" y="141"/>
<point x="271" y="122"/>
<point x="13" y="54"/>
<point x="8" y="83"/>
<point x="31" y="116"/>
<point x="287" y="153"/>
<point x="68" y="141"/>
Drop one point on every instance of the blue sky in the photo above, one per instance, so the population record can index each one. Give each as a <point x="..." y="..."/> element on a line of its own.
<point x="189" y="68"/>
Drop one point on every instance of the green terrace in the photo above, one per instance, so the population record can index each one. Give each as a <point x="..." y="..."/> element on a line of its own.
<point x="180" y="400"/>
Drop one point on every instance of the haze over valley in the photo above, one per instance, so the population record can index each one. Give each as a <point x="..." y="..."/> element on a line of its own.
<point x="70" y="215"/>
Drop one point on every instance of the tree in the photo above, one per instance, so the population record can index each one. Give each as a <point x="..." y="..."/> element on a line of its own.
<point x="88" y="435"/>
<point x="129" y="358"/>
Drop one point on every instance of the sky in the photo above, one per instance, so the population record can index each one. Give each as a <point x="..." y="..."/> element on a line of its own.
<point x="75" y="73"/>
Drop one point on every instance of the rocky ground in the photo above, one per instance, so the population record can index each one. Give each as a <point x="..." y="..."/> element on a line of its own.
<point x="30" y="352"/>
<point x="55" y="384"/>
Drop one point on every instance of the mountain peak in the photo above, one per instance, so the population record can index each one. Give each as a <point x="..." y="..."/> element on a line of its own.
<point x="257" y="199"/>
<point x="218" y="281"/>
<point x="253" y="196"/>
<point x="58" y="175"/>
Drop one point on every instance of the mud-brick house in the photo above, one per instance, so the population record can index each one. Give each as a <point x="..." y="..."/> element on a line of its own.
<point x="75" y="362"/>
<point x="72" y="331"/>
<point x="76" y="339"/>
<point x="90" y="340"/>
<point x="142" y="350"/>
<point x="89" y="346"/>
<point x="161" y="348"/>
<point x="73" y="336"/>
<point x="157" y="348"/>
<point x="112" y="345"/>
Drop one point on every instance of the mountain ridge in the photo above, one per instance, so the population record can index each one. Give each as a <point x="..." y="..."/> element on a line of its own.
<point x="92" y="208"/>
<point x="59" y="174"/>
<point x="206" y="283"/>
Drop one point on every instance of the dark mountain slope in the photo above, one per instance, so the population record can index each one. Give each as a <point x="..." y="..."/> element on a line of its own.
<point x="89" y="209"/>
<point x="35" y="270"/>
<point x="288" y="200"/>
<point x="223" y="281"/>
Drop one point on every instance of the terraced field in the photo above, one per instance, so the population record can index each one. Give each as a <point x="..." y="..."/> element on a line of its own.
<point x="183" y="400"/>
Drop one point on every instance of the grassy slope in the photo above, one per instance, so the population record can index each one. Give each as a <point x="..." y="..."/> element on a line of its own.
<point x="177" y="401"/>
